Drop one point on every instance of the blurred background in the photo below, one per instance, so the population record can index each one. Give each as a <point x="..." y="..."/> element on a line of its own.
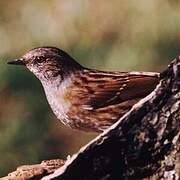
<point x="116" y="35"/>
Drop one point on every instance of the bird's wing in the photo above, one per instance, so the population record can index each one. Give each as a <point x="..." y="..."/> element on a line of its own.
<point x="101" y="89"/>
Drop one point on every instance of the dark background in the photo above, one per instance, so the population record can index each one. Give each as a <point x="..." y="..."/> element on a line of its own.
<point x="116" y="35"/>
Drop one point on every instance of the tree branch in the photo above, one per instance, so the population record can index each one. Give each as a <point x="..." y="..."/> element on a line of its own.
<point x="143" y="144"/>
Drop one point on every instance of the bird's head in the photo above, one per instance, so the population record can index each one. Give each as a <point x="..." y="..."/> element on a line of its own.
<point x="47" y="62"/>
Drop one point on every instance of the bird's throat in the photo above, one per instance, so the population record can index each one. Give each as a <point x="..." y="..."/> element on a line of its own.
<point x="56" y="96"/>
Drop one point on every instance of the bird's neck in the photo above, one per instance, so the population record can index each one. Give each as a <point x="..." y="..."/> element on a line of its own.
<point x="52" y="84"/>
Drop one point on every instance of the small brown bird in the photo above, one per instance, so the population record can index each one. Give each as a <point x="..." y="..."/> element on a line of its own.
<point x="83" y="98"/>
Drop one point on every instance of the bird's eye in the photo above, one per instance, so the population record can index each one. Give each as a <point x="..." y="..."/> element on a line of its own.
<point x="39" y="60"/>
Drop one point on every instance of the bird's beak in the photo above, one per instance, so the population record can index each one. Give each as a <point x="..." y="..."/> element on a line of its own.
<point x="17" y="62"/>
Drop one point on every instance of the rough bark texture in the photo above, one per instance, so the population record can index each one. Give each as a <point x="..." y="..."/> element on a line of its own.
<point x="36" y="171"/>
<point x="143" y="144"/>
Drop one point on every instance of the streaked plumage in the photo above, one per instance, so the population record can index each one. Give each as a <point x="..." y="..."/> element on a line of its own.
<point x="83" y="98"/>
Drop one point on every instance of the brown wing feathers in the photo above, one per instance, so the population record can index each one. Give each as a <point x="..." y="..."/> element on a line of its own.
<point x="98" y="99"/>
<point x="101" y="89"/>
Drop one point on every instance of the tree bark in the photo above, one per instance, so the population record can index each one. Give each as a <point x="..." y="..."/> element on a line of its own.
<point x="143" y="144"/>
